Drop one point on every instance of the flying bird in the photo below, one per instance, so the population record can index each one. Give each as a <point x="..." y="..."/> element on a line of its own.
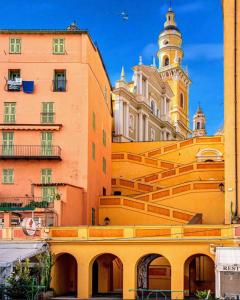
<point x="124" y="15"/>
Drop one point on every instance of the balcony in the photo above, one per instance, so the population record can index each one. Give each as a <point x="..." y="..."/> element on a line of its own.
<point x="23" y="203"/>
<point x="18" y="152"/>
<point x="59" y="85"/>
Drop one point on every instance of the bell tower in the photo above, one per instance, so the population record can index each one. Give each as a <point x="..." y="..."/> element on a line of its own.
<point x="199" y="123"/>
<point x="170" y="55"/>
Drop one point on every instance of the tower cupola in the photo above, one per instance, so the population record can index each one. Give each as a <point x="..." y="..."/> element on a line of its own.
<point x="170" y="42"/>
<point x="199" y="123"/>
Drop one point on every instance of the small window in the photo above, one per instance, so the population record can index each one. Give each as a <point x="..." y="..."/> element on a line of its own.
<point x="117" y="193"/>
<point x="7" y="176"/>
<point x="104" y="165"/>
<point x="93" y="216"/>
<point x="153" y="135"/>
<point x="94" y="121"/>
<point x="46" y="143"/>
<point x="15" y="46"/>
<point x="166" y="61"/>
<point x="104" y="137"/>
<point x="198" y="125"/>
<point x="14" y="74"/>
<point x="47" y="115"/>
<point x="9" y="112"/>
<point x="59" y="46"/>
<point x="181" y="100"/>
<point x="93" y="151"/>
<point x="46" y="176"/>
<point x="59" y="82"/>
<point x="104" y="191"/>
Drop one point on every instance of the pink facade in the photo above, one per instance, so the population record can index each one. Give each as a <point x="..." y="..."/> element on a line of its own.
<point x="85" y="94"/>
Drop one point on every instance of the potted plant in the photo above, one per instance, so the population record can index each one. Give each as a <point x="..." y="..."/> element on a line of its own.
<point x="206" y="294"/>
<point x="58" y="196"/>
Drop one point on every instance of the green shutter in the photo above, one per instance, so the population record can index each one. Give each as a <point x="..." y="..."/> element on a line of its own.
<point x="15" y="45"/>
<point x="8" y="147"/>
<point x="48" y="193"/>
<point x="7" y="176"/>
<point x="47" y="112"/>
<point x="9" y="112"/>
<point x="59" y="46"/>
<point x="47" y="138"/>
<point x="46" y="176"/>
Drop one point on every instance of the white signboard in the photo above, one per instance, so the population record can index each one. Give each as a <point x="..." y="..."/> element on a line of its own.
<point x="29" y="226"/>
<point x="228" y="268"/>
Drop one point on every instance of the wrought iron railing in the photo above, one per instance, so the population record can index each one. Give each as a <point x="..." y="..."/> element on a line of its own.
<point x="59" y="85"/>
<point x="30" y="152"/>
<point x="144" y="294"/>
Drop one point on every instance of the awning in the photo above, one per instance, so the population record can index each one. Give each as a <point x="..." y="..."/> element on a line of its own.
<point x="228" y="259"/>
<point x="12" y="252"/>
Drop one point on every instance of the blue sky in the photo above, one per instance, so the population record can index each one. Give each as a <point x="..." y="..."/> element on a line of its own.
<point x="121" y="43"/>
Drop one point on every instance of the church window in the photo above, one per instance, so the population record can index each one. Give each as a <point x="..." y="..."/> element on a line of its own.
<point x="131" y="121"/>
<point x="153" y="107"/>
<point x="166" y="61"/>
<point x="182" y="100"/>
<point x="153" y="135"/>
<point x="198" y="125"/>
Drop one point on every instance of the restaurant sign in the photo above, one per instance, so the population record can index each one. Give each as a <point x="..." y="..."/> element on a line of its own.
<point x="228" y="268"/>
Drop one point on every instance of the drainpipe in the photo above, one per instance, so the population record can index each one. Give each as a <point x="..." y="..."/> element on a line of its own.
<point x="235" y="102"/>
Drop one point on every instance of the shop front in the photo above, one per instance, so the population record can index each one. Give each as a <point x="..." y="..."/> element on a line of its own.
<point x="228" y="272"/>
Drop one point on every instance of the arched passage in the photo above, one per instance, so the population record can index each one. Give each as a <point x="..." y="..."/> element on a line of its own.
<point x="199" y="274"/>
<point x="154" y="272"/>
<point x="107" y="276"/>
<point x="66" y="275"/>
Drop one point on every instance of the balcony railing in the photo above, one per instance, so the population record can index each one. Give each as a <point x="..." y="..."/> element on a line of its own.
<point x="47" y="117"/>
<point x="23" y="203"/>
<point x="44" y="152"/>
<point x="59" y="85"/>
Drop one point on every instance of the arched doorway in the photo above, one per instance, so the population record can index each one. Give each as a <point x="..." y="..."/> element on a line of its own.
<point x="107" y="276"/>
<point x="154" y="273"/>
<point x="66" y="275"/>
<point x="199" y="274"/>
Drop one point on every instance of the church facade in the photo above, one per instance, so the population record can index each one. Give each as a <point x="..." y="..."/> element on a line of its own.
<point x="154" y="105"/>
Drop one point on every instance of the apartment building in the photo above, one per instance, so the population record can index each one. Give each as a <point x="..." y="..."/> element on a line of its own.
<point x="55" y="123"/>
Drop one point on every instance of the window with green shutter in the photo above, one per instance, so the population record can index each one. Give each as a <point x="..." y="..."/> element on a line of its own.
<point x="93" y="151"/>
<point x="9" y="112"/>
<point x="47" y="115"/>
<point x="104" y="137"/>
<point x="47" y="138"/>
<point x="59" y="46"/>
<point x="104" y="165"/>
<point x="49" y="193"/>
<point x="7" y="143"/>
<point x="94" y="121"/>
<point x="7" y="176"/>
<point x="15" y="45"/>
<point x="46" y="176"/>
